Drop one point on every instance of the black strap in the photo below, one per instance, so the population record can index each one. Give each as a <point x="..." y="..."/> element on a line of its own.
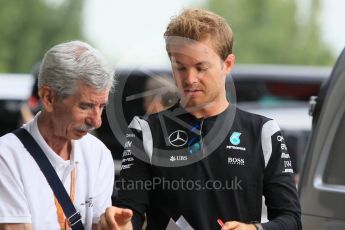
<point x="74" y="217"/>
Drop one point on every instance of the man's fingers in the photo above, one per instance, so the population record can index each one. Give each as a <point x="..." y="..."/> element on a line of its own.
<point x="115" y="218"/>
<point x="109" y="217"/>
<point x="124" y="216"/>
<point x="235" y="225"/>
<point x="230" y="225"/>
<point x="103" y="224"/>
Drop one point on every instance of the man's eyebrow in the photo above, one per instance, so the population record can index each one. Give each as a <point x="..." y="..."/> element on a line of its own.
<point x="198" y="64"/>
<point x="92" y="104"/>
<point x="203" y="63"/>
<point x="86" y="103"/>
<point x="177" y="62"/>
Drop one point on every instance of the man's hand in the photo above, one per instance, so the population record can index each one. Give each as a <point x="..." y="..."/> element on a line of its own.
<point x="234" y="225"/>
<point x="116" y="218"/>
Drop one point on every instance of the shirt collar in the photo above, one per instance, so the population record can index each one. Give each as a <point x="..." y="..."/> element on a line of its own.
<point x="55" y="159"/>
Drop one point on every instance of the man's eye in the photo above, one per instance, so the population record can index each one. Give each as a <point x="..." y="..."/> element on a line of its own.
<point x="203" y="69"/>
<point x="84" y="107"/>
<point x="181" y="68"/>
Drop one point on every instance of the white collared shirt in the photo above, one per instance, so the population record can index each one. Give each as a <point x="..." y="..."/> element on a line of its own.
<point x="25" y="195"/>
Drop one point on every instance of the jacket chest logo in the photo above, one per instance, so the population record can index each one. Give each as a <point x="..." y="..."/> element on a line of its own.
<point x="235" y="141"/>
<point x="178" y="138"/>
<point x="235" y="138"/>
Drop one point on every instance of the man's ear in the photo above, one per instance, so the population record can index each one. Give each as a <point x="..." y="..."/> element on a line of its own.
<point x="48" y="97"/>
<point x="229" y="63"/>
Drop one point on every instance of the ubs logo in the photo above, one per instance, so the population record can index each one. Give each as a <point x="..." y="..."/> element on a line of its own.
<point x="178" y="138"/>
<point x="178" y="158"/>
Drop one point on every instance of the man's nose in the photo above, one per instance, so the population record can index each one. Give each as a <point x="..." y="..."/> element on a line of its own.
<point x="95" y="118"/>
<point x="191" y="77"/>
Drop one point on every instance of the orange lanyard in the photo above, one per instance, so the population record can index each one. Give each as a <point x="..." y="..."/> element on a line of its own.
<point x="61" y="216"/>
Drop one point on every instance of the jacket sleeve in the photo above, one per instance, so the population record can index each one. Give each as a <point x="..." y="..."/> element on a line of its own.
<point x="135" y="181"/>
<point x="283" y="207"/>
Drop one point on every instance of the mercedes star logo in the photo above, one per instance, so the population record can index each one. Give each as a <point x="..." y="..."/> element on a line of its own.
<point x="178" y="138"/>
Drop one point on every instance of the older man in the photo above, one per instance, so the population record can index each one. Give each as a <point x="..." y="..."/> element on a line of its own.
<point x="74" y="83"/>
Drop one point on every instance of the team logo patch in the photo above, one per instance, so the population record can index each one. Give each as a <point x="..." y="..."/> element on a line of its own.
<point x="235" y="138"/>
<point x="178" y="138"/>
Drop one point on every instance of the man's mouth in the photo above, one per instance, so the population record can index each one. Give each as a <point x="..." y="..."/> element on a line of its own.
<point x="192" y="92"/>
<point x="85" y="128"/>
<point x="82" y="132"/>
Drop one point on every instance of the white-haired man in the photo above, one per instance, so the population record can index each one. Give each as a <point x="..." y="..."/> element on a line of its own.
<point x="74" y="84"/>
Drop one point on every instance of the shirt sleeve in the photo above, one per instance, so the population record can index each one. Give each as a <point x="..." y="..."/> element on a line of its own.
<point x="13" y="203"/>
<point x="104" y="185"/>
<point x="283" y="207"/>
<point x="135" y="180"/>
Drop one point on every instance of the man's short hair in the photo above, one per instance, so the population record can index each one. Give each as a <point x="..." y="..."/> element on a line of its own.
<point x="200" y="24"/>
<point x="68" y="63"/>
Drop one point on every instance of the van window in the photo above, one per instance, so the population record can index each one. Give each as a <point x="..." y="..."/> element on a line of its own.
<point x="334" y="173"/>
<point x="274" y="92"/>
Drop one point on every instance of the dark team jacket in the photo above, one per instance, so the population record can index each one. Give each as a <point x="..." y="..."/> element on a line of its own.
<point x="204" y="169"/>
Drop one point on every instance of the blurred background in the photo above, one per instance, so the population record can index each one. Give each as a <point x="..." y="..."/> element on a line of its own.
<point x="302" y="32"/>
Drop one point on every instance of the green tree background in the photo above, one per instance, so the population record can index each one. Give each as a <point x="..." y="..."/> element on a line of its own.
<point x="266" y="31"/>
<point x="29" y="27"/>
<point x="269" y="31"/>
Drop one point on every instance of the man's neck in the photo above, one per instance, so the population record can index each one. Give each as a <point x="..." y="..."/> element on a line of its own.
<point x="61" y="146"/>
<point x="207" y="110"/>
